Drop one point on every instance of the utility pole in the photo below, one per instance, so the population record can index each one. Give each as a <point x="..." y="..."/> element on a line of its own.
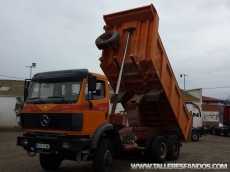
<point x="32" y="66"/>
<point x="181" y="75"/>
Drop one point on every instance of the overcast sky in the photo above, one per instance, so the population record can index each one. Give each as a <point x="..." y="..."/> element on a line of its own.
<point x="58" y="34"/>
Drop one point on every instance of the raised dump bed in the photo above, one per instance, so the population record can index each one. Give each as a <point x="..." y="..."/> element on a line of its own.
<point x="151" y="97"/>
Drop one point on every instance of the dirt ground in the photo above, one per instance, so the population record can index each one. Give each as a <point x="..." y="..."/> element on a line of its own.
<point x="209" y="149"/>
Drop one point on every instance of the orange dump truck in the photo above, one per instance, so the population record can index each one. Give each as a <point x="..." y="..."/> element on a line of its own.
<point x="66" y="113"/>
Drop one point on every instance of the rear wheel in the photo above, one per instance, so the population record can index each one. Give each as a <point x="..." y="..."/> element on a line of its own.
<point x="226" y="132"/>
<point x="173" y="147"/>
<point x="195" y="136"/>
<point x="50" y="162"/>
<point x="217" y="132"/>
<point x="159" y="150"/>
<point x="213" y="131"/>
<point x="147" y="151"/>
<point x="103" y="156"/>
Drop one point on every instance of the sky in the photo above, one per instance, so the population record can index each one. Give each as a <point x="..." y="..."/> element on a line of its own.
<point x="59" y="35"/>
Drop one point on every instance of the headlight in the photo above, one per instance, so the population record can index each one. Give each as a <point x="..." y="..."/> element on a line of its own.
<point x="66" y="145"/>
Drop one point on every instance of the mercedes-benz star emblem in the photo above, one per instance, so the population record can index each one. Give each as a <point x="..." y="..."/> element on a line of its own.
<point x="45" y="120"/>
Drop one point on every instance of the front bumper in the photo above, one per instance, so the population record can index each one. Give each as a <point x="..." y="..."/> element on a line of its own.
<point x="53" y="142"/>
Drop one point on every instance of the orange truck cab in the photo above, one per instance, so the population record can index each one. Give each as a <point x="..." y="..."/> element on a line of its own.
<point x="66" y="95"/>
<point x="65" y="113"/>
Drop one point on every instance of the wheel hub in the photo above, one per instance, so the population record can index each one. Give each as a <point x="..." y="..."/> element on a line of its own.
<point x="162" y="150"/>
<point x="108" y="158"/>
<point x="194" y="136"/>
<point x="175" y="147"/>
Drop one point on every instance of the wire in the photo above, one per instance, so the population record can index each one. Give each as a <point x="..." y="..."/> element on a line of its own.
<point x="11" y="77"/>
<point x="217" y="87"/>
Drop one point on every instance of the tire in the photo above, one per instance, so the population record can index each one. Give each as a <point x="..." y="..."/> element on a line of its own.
<point x="213" y="131"/>
<point x="217" y="132"/>
<point x="107" y="39"/>
<point x="226" y="132"/>
<point x="159" y="149"/>
<point x="103" y="156"/>
<point x="147" y="151"/>
<point x="195" y="136"/>
<point x="50" y="162"/>
<point x="210" y="130"/>
<point x="173" y="143"/>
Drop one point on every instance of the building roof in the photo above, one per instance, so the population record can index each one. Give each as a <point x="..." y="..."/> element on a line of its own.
<point x="210" y="99"/>
<point x="11" y="87"/>
<point x="189" y="97"/>
<point x="194" y="89"/>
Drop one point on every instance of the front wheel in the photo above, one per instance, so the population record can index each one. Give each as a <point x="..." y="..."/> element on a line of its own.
<point x="103" y="156"/>
<point x="50" y="162"/>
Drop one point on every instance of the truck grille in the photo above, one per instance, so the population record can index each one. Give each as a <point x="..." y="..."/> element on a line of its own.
<point x="52" y="121"/>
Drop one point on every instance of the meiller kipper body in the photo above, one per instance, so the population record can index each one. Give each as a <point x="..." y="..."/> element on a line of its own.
<point x="147" y="73"/>
<point x="66" y="113"/>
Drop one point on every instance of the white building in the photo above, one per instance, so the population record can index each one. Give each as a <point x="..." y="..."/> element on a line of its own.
<point x="193" y="100"/>
<point x="10" y="90"/>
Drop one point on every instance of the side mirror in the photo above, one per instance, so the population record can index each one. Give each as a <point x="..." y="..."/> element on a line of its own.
<point x="92" y="83"/>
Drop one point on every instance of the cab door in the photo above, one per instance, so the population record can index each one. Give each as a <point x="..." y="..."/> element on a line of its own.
<point x="98" y="112"/>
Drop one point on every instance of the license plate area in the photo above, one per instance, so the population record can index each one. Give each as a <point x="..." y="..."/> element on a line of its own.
<point x="42" y="146"/>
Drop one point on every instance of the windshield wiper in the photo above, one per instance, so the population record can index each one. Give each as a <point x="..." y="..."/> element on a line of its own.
<point x="39" y="98"/>
<point x="63" y="100"/>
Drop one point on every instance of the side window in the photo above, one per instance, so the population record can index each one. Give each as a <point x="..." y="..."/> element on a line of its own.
<point x="35" y="91"/>
<point x="98" y="94"/>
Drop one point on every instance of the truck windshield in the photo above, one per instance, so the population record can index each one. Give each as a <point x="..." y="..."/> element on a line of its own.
<point x="54" y="92"/>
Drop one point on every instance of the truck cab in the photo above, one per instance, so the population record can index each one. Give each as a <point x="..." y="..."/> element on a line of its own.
<point x="65" y="113"/>
<point x="60" y="101"/>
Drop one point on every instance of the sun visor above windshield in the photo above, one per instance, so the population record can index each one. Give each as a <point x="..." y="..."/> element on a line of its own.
<point x="61" y="74"/>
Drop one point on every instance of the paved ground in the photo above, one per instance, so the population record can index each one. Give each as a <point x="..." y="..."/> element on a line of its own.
<point x="210" y="149"/>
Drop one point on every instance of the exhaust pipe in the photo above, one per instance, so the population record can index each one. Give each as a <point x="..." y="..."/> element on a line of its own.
<point x="134" y="146"/>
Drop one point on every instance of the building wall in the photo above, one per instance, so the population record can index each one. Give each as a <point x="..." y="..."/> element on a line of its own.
<point x="210" y="107"/>
<point x="209" y="110"/>
<point x="196" y="109"/>
<point x="210" y="114"/>
<point x="8" y="117"/>
<point x="196" y="93"/>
